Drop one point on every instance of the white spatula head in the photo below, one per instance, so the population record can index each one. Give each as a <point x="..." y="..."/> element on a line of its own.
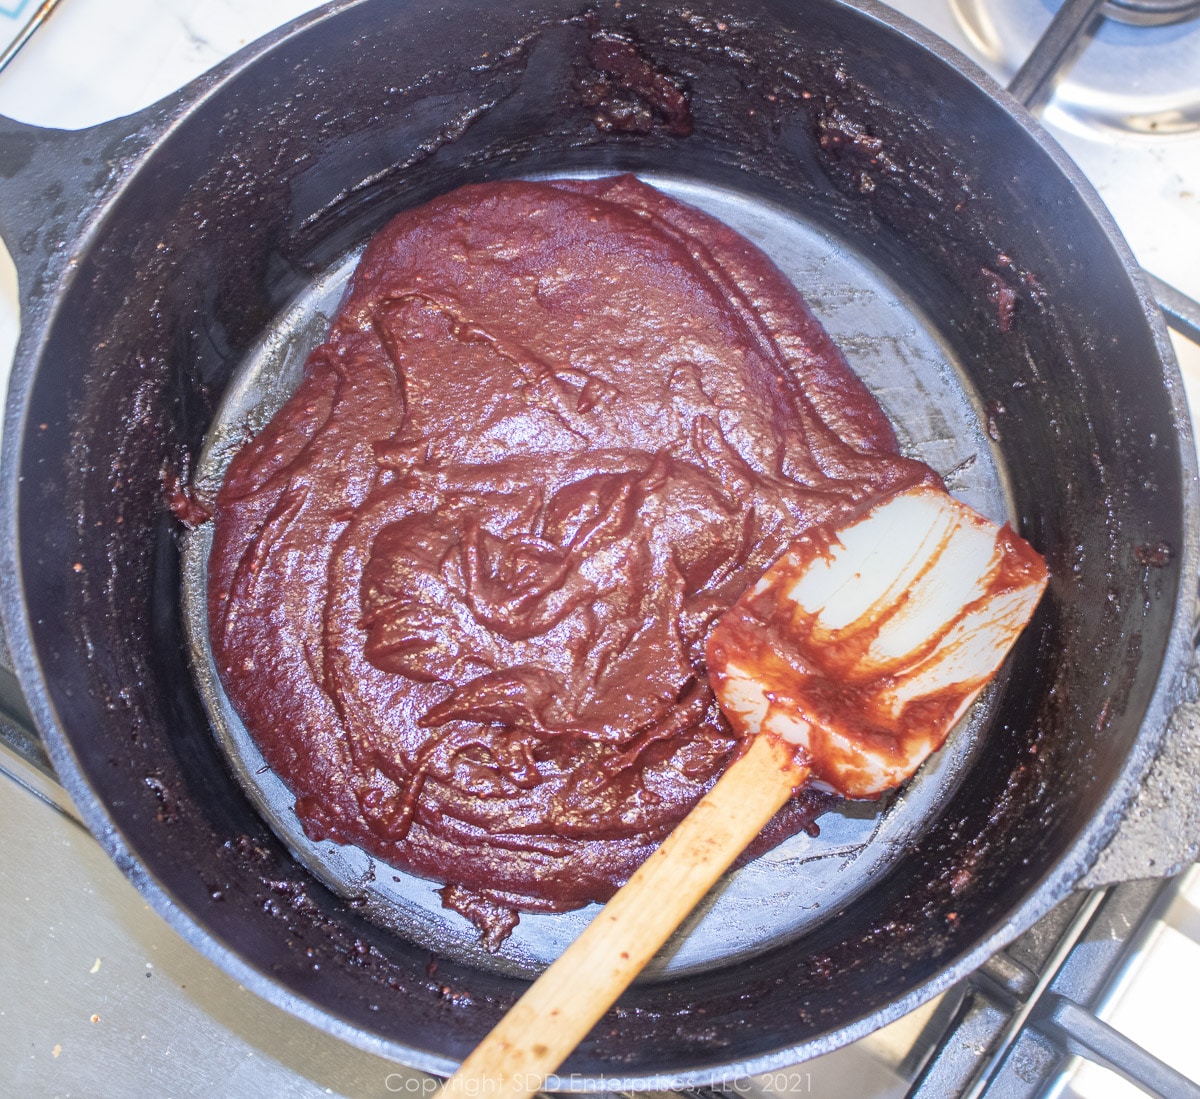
<point x="863" y="646"/>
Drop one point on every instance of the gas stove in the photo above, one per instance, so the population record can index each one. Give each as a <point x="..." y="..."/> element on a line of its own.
<point x="99" y="996"/>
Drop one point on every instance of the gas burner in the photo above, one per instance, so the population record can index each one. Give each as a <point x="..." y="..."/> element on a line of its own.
<point x="1151" y="13"/>
<point x="1139" y="75"/>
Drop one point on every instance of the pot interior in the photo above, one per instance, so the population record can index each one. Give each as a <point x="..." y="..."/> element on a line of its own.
<point x="800" y="883"/>
<point x="969" y="281"/>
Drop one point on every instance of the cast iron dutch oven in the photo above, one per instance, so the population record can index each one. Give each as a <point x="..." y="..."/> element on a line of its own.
<point x="155" y="252"/>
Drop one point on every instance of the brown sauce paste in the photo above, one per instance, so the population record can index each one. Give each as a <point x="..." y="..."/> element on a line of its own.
<point x="460" y="586"/>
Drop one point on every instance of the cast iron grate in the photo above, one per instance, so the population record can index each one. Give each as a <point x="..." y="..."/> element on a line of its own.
<point x="1020" y="1018"/>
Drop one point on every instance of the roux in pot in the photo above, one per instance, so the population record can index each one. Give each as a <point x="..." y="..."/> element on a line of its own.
<point x="460" y="586"/>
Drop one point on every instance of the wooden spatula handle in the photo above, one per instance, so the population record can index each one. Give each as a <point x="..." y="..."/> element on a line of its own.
<point x="570" y="997"/>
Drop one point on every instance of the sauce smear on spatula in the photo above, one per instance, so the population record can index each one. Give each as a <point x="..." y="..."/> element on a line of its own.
<point x="863" y="648"/>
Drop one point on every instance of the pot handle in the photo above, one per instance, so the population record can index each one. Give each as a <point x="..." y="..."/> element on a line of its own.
<point x="52" y="182"/>
<point x="1159" y="834"/>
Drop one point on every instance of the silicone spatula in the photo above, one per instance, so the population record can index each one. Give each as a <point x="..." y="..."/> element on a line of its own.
<point x="847" y="664"/>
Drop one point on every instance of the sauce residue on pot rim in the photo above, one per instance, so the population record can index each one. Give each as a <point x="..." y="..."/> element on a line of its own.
<point x="460" y="586"/>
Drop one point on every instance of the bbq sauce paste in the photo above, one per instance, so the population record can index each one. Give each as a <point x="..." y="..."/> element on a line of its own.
<point x="460" y="586"/>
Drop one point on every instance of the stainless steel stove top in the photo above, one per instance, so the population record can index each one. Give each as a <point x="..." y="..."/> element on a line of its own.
<point x="99" y="997"/>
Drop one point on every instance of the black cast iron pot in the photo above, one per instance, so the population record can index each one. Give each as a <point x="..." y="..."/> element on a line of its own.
<point x="154" y="252"/>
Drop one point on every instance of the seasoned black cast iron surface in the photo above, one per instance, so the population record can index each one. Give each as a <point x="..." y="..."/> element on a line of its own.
<point x="218" y="208"/>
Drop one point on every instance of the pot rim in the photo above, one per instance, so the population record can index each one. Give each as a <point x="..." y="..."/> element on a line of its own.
<point x="40" y="305"/>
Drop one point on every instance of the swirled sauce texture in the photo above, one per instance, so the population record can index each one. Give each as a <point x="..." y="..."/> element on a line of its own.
<point x="460" y="586"/>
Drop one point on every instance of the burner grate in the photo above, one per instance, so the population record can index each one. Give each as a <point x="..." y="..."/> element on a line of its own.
<point x="1031" y="1008"/>
<point x="1017" y="1027"/>
<point x="1113" y="67"/>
